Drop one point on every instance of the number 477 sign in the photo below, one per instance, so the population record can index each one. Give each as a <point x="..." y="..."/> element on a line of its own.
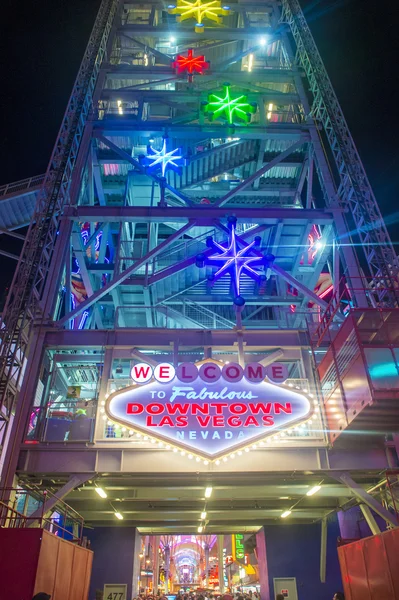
<point x="115" y="591"/>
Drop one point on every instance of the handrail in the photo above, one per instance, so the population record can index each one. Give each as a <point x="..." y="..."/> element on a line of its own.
<point x="22" y="185"/>
<point x="10" y="517"/>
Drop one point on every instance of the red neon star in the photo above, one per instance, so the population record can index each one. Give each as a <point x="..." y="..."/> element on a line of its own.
<point x="190" y="63"/>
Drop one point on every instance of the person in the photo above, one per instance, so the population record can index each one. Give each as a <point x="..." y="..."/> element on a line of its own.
<point x="41" y="596"/>
<point x="338" y="596"/>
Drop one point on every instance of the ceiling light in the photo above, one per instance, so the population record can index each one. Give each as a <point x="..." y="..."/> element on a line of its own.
<point x="208" y="492"/>
<point x="263" y="41"/>
<point x="200" y="529"/>
<point x="101" y="492"/>
<point x="118" y="515"/>
<point x="203" y="515"/>
<point x="172" y="39"/>
<point x="313" y="490"/>
<point x="285" y="514"/>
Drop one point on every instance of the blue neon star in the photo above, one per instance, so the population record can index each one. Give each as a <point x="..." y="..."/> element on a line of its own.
<point x="163" y="159"/>
<point x="235" y="261"/>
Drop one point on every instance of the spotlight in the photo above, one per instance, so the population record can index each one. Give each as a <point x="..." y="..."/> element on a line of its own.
<point x="263" y="41"/>
<point x="313" y="490"/>
<point x="101" y="492"/>
<point x="118" y="515"/>
<point x="285" y="514"/>
<point x="172" y="39"/>
<point x="203" y="515"/>
<point x="208" y="492"/>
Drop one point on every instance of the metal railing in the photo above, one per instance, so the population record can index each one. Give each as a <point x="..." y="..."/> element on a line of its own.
<point x="23" y="185"/>
<point x="64" y="521"/>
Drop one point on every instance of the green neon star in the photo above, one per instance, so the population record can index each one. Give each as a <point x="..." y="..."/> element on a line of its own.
<point x="230" y="106"/>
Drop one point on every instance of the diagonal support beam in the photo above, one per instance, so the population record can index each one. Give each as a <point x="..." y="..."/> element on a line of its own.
<point x="364" y="497"/>
<point x="183" y="264"/>
<point x="276" y="160"/>
<point x="136" y="164"/>
<point x="163" y="58"/>
<point x="125" y="274"/>
<point x="73" y="482"/>
<point x="299" y="286"/>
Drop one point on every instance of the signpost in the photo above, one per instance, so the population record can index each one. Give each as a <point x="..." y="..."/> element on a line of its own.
<point x="115" y="591"/>
<point x="209" y="408"/>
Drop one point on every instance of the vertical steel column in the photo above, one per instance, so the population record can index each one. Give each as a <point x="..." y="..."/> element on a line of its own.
<point x="25" y="399"/>
<point x="156" y="565"/>
<point x="221" y="563"/>
<point x="167" y="567"/>
<point x="261" y="554"/>
<point x="323" y="550"/>
<point x="105" y="376"/>
<point x="206" y="565"/>
<point x="370" y="520"/>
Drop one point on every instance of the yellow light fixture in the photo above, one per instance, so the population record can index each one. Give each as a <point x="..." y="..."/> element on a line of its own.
<point x="102" y="493"/>
<point x="208" y="492"/>
<point x="313" y="490"/>
<point x="203" y="515"/>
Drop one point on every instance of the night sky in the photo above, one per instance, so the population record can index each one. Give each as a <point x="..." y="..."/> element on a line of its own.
<point x="42" y="43"/>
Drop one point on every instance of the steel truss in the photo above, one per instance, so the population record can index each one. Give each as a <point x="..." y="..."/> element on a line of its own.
<point x="354" y="191"/>
<point x="271" y="167"/>
<point x="25" y="300"/>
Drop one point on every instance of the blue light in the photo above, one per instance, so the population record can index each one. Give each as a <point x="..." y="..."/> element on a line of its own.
<point x="384" y="370"/>
<point x="234" y="261"/>
<point x="163" y="159"/>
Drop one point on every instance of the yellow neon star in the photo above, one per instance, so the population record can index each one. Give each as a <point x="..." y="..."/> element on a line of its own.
<point x="198" y="10"/>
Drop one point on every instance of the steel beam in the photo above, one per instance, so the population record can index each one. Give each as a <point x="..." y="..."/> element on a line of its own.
<point x="125" y="274"/>
<point x="49" y="505"/>
<point x="323" y="550"/>
<point x="299" y="286"/>
<point x="210" y="33"/>
<point x="366" y="498"/>
<point x="370" y="520"/>
<point x="138" y="72"/>
<point x="247" y="182"/>
<point x="204" y="215"/>
<point x="190" y="97"/>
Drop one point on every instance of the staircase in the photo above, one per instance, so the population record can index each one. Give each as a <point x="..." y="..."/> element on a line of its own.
<point x="218" y="160"/>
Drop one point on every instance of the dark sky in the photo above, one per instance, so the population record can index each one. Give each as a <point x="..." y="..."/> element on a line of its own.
<point x="42" y="42"/>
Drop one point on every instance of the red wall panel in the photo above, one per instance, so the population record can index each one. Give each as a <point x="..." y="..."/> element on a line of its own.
<point x="379" y="579"/>
<point x="33" y="560"/>
<point x="370" y="567"/>
<point x="357" y="573"/>
<point x="19" y="555"/>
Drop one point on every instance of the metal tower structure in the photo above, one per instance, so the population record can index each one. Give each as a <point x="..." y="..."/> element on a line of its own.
<point x="204" y="181"/>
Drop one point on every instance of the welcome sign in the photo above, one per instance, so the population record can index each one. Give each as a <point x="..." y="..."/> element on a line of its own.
<point x="208" y="418"/>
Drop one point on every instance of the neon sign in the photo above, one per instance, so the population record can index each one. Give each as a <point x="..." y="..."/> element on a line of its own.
<point x="234" y="258"/>
<point x="210" y="372"/>
<point x="229" y="106"/>
<point x="208" y="417"/>
<point x="199" y="10"/>
<point x="238" y="547"/>
<point x="190" y="64"/>
<point x="163" y="159"/>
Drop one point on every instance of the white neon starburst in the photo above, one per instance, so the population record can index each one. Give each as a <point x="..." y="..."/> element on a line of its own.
<point x="233" y="260"/>
<point x="164" y="159"/>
